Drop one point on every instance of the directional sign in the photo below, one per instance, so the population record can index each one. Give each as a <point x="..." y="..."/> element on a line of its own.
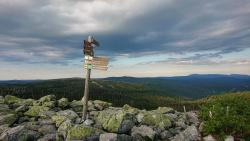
<point x="87" y="57"/>
<point x="99" y="63"/>
<point x="104" y="68"/>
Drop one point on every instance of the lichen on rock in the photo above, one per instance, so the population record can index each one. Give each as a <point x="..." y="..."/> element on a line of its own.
<point x="112" y="120"/>
<point x="164" y="110"/>
<point x="158" y="120"/>
<point x="58" y="119"/>
<point x="63" y="102"/>
<point x="81" y="132"/>
<point x="7" y="119"/>
<point x="9" y="99"/>
<point x="35" y="110"/>
<point x="100" y="105"/>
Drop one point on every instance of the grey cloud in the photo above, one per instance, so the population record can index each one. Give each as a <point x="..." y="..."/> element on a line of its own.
<point x="49" y="31"/>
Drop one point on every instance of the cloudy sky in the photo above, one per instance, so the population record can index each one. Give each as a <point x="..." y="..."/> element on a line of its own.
<point x="43" y="39"/>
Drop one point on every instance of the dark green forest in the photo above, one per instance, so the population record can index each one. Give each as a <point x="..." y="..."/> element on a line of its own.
<point x="144" y="93"/>
<point x="118" y="93"/>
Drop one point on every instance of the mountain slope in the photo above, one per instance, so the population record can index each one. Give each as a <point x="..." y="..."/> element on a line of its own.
<point x="193" y="86"/>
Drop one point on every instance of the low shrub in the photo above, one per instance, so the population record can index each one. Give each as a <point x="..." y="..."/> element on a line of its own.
<point x="227" y="115"/>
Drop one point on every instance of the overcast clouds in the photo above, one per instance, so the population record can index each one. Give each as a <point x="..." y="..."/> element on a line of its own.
<point x="190" y="33"/>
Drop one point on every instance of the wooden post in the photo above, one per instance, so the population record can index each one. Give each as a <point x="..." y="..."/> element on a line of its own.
<point x="184" y="109"/>
<point x="86" y="95"/>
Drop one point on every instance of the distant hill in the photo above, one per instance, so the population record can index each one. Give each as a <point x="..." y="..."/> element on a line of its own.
<point x="119" y="93"/>
<point x="146" y="93"/>
<point x="193" y="86"/>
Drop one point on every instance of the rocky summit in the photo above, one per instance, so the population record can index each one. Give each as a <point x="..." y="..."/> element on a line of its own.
<point x="51" y="119"/>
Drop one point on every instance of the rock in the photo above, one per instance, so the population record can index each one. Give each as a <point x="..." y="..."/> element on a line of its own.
<point x="3" y="128"/>
<point x="23" y="119"/>
<point x="181" y="124"/>
<point x="19" y="133"/>
<point x="76" y="106"/>
<point x="68" y="114"/>
<point x="189" y="134"/>
<point x="22" y="108"/>
<point x="165" y="135"/>
<point x="126" y="125"/>
<point x="7" y="119"/>
<point x="130" y="109"/>
<point x="229" y="138"/>
<point x="172" y="117"/>
<point x="64" y="127"/>
<point x="174" y="131"/>
<point x="139" y="117"/>
<point x="93" y="114"/>
<point x="209" y="138"/>
<point x="25" y="102"/>
<point x="164" y="110"/>
<point x="100" y="105"/>
<point x="50" y="104"/>
<point x="47" y="129"/>
<point x="78" y="120"/>
<point x="4" y="109"/>
<point x="46" y="101"/>
<point x="31" y="125"/>
<point x="192" y="117"/>
<point x="88" y="122"/>
<point x="47" y="98"/>
<point x="144" y="131"/>
<point x="1" y="100"/>
<point x="81" y="132"/>
<point x="62" y="116"/>
<point x="34" y="111"/>
<point x="201" y="127"/>
<point x="157" y="120"/>
<point x="63" y="102"/>
<point x="112" y="120"/>
<point x="58" y="119"/>
<point x="45" y="121"/>
<point x="108" y="137"/>
<point x="48" y="137"/>
<point x="9" y="99"/>
<point x="115" y="137"/>
<point x="47" y="114"/>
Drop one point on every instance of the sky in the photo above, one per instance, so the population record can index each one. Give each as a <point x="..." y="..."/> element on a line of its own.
<point x="142" y="38"/>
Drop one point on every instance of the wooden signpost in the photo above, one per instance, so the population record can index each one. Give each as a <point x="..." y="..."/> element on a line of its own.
<point x="91" y="62"/>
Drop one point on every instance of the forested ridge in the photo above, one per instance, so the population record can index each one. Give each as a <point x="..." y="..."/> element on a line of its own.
<point x="146" y="95"/>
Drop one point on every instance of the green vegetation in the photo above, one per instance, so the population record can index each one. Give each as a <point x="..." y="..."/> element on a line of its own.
<point x="118" y="93"/>
<point x="227" y="114"/>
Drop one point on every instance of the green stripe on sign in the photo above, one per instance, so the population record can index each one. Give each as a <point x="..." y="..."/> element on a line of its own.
<point x="89" y="66"/>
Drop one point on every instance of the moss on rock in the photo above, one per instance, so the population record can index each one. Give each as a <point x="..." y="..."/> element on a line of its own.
<point x="130" y="109"/>
<point x="163" y="110"/>
<point x="63" y="102"/>
<point x="156" y="119"/>
<point x="81" y="132"/>
<point x="64" y="127"/>
<point x="1" y="100"/>
<point x="9" y="99"/>
<point x="50" y="104"/>
<point x="100" y="105"/>
<point x="7" y="119"/>
<point x="34" y="111"/>
<point x="58" y="119"/>
<point x="47" y="98"/>
<point x="76" y="106"/>
<point x="111" y="120"/>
